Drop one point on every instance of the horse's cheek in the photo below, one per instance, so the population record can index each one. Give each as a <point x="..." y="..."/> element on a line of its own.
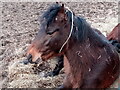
<point x="54" y="42"/>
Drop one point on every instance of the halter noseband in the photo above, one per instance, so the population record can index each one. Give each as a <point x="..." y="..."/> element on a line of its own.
<point x="70" y="30"/>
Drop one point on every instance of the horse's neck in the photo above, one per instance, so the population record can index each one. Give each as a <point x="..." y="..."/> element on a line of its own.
<point x="75" y="54"/>
<point x="96" y="38"/>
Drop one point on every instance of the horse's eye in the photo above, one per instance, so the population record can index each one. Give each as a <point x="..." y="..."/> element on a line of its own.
<point x="62" y="20"/>
<point x="51" y="32"/>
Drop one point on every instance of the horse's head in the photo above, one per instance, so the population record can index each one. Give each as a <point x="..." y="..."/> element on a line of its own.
<point x="53" y="33"/>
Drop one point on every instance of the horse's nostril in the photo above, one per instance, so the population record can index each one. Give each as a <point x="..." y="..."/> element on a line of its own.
<point x="29" y="58"/>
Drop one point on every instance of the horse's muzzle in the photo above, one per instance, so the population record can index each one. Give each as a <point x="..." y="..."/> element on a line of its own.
<point x="29" y="60"/>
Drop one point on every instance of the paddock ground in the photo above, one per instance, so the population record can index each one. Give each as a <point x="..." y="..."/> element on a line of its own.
<point x="20" y="23"/>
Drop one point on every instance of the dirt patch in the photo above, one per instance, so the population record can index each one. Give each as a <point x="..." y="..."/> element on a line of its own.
<point x="20" y="23"/>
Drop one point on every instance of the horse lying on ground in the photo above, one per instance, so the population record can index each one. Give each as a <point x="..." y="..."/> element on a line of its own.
<point x="90" y="61"/>
<point x="114" y="37"/>
<point x="115" y="34"/>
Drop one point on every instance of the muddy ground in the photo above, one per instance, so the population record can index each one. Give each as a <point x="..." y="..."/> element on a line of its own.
<point x="20" y="23"/>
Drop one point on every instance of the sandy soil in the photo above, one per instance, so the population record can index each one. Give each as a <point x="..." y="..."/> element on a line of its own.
<point x="20" y="23"/>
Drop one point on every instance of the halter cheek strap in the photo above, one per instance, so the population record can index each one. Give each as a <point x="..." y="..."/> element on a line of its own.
<point x="70" y="30"/>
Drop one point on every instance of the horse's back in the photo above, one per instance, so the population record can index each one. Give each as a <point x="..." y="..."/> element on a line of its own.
<point x="115" y="34"/>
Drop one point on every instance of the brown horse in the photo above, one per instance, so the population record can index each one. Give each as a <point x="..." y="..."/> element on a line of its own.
<point x="115" y="34"/>
<point x="90" y="60"/>
<point x="113" y="37"/>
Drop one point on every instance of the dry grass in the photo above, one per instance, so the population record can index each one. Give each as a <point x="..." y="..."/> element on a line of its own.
<point x="23" y="76"/>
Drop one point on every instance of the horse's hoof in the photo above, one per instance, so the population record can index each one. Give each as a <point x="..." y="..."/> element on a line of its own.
<point x="50" y="74"/>
<point x="63" y="88"/>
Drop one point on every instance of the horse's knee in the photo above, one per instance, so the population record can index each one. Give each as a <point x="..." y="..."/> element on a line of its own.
<point x="61" y="87"/>
<point x="67" y="82"/>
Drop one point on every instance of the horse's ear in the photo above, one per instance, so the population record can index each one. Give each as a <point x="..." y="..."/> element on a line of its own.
<point x="57" y="3"/>
<point x="62" y="9"/>
<point x="63" y="5"/>
<point x="61" y="12"/>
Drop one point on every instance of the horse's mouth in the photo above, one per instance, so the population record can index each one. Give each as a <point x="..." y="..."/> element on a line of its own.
<point x="48" y="55"/>
<point x="44" y="56"/>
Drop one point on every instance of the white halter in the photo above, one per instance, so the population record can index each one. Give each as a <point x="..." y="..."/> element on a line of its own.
<point x="70" y="31"/>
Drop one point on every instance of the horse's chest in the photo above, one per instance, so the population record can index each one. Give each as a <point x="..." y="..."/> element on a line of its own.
<point x="66" y="65"/>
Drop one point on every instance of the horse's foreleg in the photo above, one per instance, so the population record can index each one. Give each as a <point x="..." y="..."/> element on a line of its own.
<point x="57" y="68"/>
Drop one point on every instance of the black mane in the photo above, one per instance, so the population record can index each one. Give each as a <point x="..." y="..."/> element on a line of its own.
<point x="81" y="28"/>
<point x="86" y="31"/>
<point x="51" y="13"/>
